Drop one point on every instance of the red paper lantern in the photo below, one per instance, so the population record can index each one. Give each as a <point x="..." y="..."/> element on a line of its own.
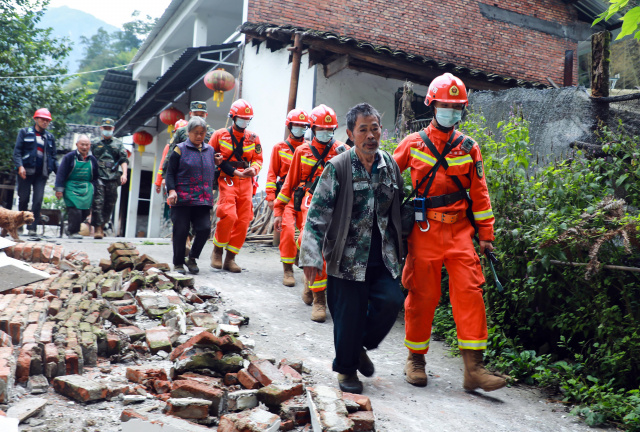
<point x="142" y="139"/>
<point x="170" y="116"/>
<point x="219" y="81"/>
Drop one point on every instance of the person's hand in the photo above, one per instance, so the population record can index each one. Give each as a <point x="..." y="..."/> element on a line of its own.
<point x="485" y="245"/>
<point x="58" y="194"/>
<point x="218" y="158"/>
<point x="310" y="273"/>
<point x="277" y="221"/>
<point x="239" y="174"/>
<point x="173" y="197"/>
<point x="123" y="179"/>
<point x="271" y="205"/>
<point x="158" y="188"/>
<point x="250" y="172"/>
<point x="22" y="173"/>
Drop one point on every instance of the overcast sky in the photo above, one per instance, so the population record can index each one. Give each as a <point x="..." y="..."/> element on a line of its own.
<point x="115" y="12"/>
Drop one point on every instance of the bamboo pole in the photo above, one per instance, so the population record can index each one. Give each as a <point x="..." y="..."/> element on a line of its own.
<point x="607" y="266"/>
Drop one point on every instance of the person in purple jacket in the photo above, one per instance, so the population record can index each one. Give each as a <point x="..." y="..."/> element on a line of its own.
<point x="189" y="180"/>
<point x="76" y="179"/>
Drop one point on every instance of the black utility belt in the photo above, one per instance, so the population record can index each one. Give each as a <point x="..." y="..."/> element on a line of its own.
<point x="444" y="200"/>
<point x="239" y="164"/>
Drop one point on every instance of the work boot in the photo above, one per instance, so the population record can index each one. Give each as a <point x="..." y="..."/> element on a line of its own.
<point x="350" y="383"/>
<point x="288" y="279"/>
<point x="99" y="233"/>
<point x="216" y="257"/>
<point x="191" y="265"/>
<point x="307" y="294"/>
<point x="75" y="236"/>
<point x="477" y="376"/>
<point x="414" y="370"/>
<point x="230" y="263"/>
<point x="365" y="365"/>
<point x="179" y="269"/>
<point x="319" y="309"/>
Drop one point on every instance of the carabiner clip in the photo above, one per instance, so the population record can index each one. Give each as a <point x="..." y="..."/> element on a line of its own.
<point x="423" y="229"/>
<point x="226" y="180"/>
<point x="308" y="203"/>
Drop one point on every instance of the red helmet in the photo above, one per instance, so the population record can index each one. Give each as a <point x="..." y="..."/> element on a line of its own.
<point x="241" y="108"/>
<point x="323" y="116"/>
<point x="447" y="88"/>
<point x="42" y="113"/>
<point x="180" y="123"/>
<point x="297" y="116"/>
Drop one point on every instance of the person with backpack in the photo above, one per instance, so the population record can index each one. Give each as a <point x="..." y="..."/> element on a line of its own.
<point x="444" y="165"/>
<point x="306" y="167"/>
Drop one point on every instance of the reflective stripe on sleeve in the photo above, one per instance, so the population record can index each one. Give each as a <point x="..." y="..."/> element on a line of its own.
<point x="285" y="199"/>
<point x="484" y="214"/>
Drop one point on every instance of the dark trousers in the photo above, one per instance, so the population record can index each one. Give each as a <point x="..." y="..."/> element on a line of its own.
<point x="37" y="181"/>
<point x="75" y="217"/>
<point x="105" y="195"/>
<point x="363" y="314"/>
<point x="183" y="217"/>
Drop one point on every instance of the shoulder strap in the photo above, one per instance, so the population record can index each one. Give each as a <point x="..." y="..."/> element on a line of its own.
<point x="289" y="145"/>
<point x="319" y="157"/>
<point x="237" y="146"/>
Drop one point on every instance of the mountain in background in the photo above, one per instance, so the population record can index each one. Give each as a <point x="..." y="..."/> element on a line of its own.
<point x="73" y="24"/>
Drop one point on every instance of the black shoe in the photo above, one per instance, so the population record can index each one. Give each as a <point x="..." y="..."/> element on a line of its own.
<point x="350" y="383"/>
<point x="179" y="269"/>
<point x="191" y="265"/>
<point x="365" y="367"/>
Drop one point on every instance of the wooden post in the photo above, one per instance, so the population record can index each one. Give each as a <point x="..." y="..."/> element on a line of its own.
<point x="568" y="68"/>
<point x="406" y="115"/>
<point x="296" y="56"/>
<point x="600" y="59"/>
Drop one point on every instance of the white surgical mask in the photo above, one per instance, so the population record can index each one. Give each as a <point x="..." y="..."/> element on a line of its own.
<point x="298" y="131"/>
<point x="107" y="133"/>
<point x="447" y="117"/>
<point x="242" y="123"/>
<point x="324" y="136"/>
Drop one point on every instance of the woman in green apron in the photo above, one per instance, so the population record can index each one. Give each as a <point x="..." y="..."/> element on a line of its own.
<point x="75" y="180"/>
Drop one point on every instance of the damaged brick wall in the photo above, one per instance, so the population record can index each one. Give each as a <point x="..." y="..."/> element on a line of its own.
<point x="448" y="31"/>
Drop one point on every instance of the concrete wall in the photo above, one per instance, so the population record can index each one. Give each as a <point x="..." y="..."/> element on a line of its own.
<point x="265" y="85"/>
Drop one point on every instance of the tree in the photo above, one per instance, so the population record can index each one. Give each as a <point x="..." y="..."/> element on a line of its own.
<point x="32" y="74"/>
<point x="630" y="19"/>
<point x="106" y="50"/>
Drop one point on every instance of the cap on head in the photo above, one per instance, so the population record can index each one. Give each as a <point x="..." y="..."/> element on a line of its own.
<point x="298" y="116"/>
<point x="198" y="106"/>
<point x="108" y="122"/>
<point x="241" y="108"/>
<point x="42" y="113"/>
<point x="323" y="116"/>
<point x="447" y="88"/>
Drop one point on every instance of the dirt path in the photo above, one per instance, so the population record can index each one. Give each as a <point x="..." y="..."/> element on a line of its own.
<point x="281" y="328"/>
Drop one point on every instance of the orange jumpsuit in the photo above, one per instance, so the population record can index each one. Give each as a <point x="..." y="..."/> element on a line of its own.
<point x="235" y="209"/>
<point x="301" y="166"/>
<point x="281" y="158"/>
<point x="158" y="181"/>
<point x="446" y="243"/>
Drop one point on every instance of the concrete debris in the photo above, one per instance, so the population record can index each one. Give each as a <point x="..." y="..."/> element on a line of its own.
<point x="130" y="332"/>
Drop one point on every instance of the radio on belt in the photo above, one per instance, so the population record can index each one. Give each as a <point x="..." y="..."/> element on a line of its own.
<point x="420" y="209"/>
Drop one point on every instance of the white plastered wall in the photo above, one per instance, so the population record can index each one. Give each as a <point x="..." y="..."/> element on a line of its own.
<point x="265" y="85"/>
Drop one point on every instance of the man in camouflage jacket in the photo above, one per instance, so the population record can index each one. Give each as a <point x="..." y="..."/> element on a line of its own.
<point x="354" y="223"/>
<point x="112" y="173"/>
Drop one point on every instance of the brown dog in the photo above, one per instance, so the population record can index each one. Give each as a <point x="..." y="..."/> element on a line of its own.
<point x="11" y="220"/>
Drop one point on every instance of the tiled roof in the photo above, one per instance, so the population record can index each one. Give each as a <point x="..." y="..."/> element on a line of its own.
<point x="284" y="32"/>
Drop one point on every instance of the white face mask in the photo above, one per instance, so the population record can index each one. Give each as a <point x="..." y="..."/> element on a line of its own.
<point x="448" y="117"/>
<point x="242" y="123"/>
<point x="323" y="135"/>
<point x="107" y="133"/>
<point x="298" y="131"/>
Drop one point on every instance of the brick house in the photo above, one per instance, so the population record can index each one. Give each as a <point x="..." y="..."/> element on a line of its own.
<point x="352" y="51"/>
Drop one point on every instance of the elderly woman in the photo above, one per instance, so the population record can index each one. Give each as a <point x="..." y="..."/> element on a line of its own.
<point x="189" y="180"/>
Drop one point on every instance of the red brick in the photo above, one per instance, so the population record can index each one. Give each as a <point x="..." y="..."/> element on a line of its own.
<point x="128" y="414"/>
<point x="36" y="256"/>
<point x="139" y="374"/>
<point x="58" y="252"/>
<point x="363" y="421"/>
<point x="363" y="401"/>
<point x="290" y="373"/>
<point x="274" y="395"/>
<point x="79" y="388"/>
<point x="194" y="389"/>
<point x="204" y="338"/>
<point x="5" y="340"/>
<point x="162" y="386"/>
<point x="187" y="408"/>
<point x="72" y="362"/>
<point x="128" y="310"/>
<point x="265" y="372"/>
<point x="27" y="251"/>
<point x="247" y="380"/>
<point x="46" y="252"/>
<point x="231" y="379"/>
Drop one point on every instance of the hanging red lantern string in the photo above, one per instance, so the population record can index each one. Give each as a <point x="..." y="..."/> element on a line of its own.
<point x="170" y="116"/>
<point x="142" y="139"/>
<point x="219" y="81"/>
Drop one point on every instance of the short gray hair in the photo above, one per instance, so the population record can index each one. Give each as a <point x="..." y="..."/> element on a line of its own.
<point x="196" y="122"/>
<point x="363" y="109"/>
<point x="81" y="136"/>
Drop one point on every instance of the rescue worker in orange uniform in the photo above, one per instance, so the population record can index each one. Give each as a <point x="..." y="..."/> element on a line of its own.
<point x="306" y="167"/>
<point x="450" y="164"/>
<point x="281" y="156"/>
<point x="242" y="149"/>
